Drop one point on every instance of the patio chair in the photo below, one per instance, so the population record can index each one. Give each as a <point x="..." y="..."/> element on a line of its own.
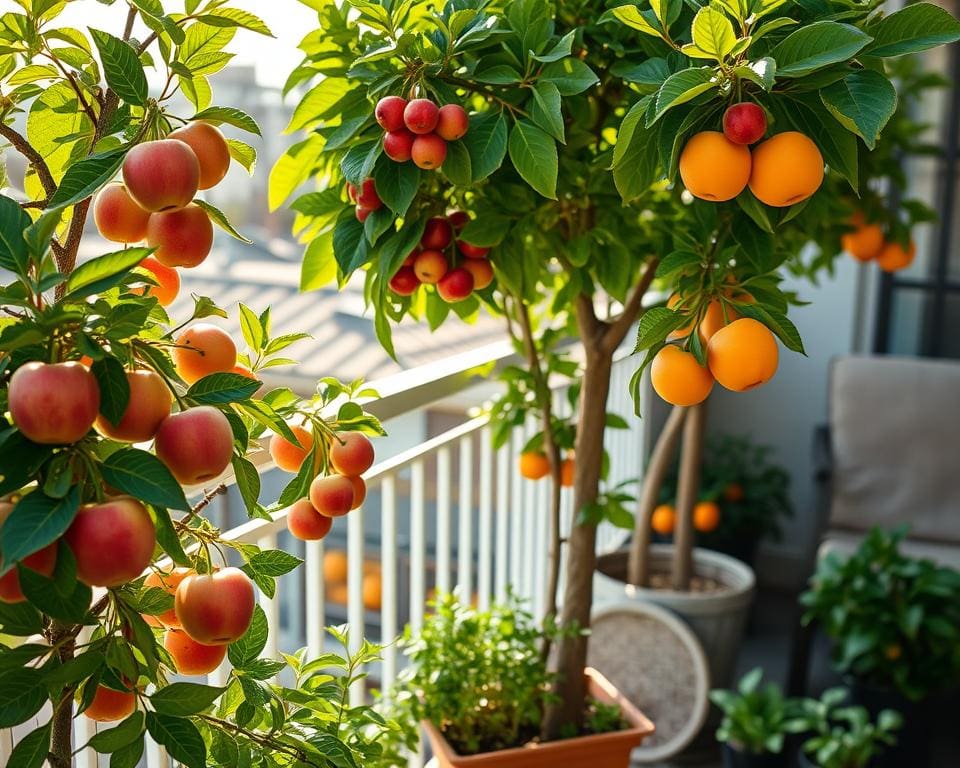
<point x="890" y="455"/>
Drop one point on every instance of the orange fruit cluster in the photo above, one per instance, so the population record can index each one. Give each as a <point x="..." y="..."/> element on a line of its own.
<point x="866" y="242"/>
<point x="785" y="169"/>
<point x="535" y="465"/>
<point x="706" y="518"/>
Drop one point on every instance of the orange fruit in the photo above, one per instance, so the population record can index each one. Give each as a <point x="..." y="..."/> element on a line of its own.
<point x="706" y="516"/>
<point x="734" y="493"/>
<point x="663" y="520"/>
<point x="743" y="355"/>
<point x="714" y="319"/>
<point x="678" y="378"/>
<point x="337" y="593"/>
<point x="372" y="592"/>
<point x="865" y="242"/>
<point x="713" y="167"/>
<point x="894" y="257"/>
<point x="680" y="333"/>
<point x="893" y="652"/>
<point x="534" y="465"/>
<point x="567" y="469"/>
<point x="335" y="567"/>
<point x="787" y="169"/>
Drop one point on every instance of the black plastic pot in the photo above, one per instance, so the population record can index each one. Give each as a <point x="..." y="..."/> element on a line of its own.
<point x="913" y="738"/>
<point x="734" y="758"/>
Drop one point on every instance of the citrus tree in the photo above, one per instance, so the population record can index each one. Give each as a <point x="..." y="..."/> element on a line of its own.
<point x="120" y="423"/>
<point x="550" y="163"/>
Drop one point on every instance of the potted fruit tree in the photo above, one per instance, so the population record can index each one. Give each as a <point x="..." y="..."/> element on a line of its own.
<point x="550" y="163"/>
<point x="895" y="626"/>
<point x="756" y="723"/>
<point x="121" y="423"/>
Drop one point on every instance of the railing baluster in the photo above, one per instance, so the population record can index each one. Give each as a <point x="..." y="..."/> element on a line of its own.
<point x="485" y="554"/>
<point x="465" y="542"/>
<point x="314" y="596"/>
<point x="6" y="745"/>
<point x="418" y="545"/>
<point x="503" y="517"/>
<point x="271" y="606"/>
<point x="355" y="606"/>
<point x="389" y="612"/>
<point x="443" y="520"/>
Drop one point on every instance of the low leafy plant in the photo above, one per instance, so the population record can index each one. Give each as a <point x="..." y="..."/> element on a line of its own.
<point x="756" y="720"/>
<point x="894" y="620"/>
<point x="845" y="737"/>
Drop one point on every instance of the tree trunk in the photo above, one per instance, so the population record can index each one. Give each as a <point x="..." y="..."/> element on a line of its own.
<point x="61" y="734"/>
<point x="581" y="548"/>
<point x="638" y="566"/>
<point x="687" y="489"/>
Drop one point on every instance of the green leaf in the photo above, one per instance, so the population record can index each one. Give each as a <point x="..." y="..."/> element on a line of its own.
<point x="397" y="185"/>
<point x="32" y="750"/>
<point x="816" y="46"/>
<point x="486" y="142"/>
<point x="144" y="477"/>
<point x="680" y="88"/>
<point x="249" y="647"/>
<point x="243" y="153"/>
<point x="235" y="17"/>
<point x="22" y="694"/>
<point x="570" y="75"/>
<point x="20" y="619"/>
<point x="14" y="221"/>
<point x="180" y="737"/>
<point x="248" y="481"/>
<point x="114" y="387"/>
<point x="43" y="593"/>
<point x="350" y="244"/>
<point x="120" y="736"/>
<point x="777" y="322"/>
<point x="36" y="521"/>
<point x="85" y="177"/>
<point x="128" y="756"/>
<point x="122" y="68"/>
<point x="219" y="218"/>
<point x="319" y="267"/>
<point x="184" y="699"/>
<point x="456" y="166"/>
<point x="104" y="272"/>
<point x="168" y="539"/>
<point x="863" y="102"/>
<point x="713" y="35"/>
<point x="534" y="155"/>
<point x="630" y="16"/>
<point x="654" y="326"/>
<point x="546" y="111"/>
<point x="274" y="562"/>
<point x="222" y="388"/>
<point x="915" y="28"/>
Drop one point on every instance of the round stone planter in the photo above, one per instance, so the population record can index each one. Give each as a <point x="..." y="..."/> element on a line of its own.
<point x="718" y="618"/>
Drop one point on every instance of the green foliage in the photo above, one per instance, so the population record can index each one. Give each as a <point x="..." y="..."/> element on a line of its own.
<point x="894" y="620"/>
<point x="845" y="737"/>
<point x="756" y="720"/>
<point x="752" y="492"/>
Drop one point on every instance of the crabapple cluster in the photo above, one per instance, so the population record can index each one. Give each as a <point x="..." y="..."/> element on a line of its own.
<point x="419" y="130"/>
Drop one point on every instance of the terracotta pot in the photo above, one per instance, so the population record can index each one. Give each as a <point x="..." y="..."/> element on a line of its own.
<point x="606" y="750"/>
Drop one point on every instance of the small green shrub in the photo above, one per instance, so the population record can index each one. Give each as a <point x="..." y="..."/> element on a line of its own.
<point x="755" y="719"/>
<point x="845" y="737"/>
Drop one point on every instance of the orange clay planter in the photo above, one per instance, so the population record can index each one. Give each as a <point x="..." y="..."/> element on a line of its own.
<point x="606" y="750"/>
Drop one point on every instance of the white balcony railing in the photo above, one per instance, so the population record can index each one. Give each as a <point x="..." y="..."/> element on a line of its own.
<point x="449" y="513"/>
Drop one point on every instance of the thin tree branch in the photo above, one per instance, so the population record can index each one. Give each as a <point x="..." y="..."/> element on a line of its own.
<point x="23" y="146"/>
<point x="617" y="329"/>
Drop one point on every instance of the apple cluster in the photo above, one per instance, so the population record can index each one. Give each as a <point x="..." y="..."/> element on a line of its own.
<point x="365" y="197"/>
<point x="455" y="267"/>
<point x="419" y="130"/>
<point x="349" y="455"/>
<point x="154" y="202"/>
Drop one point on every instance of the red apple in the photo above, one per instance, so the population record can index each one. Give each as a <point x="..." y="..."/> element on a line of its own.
<point x="351" y="453"/>
<point x="182" y="237"/>
<point x="430" y="266"/>
<point x="332" y="495"/>
<point x="389" y="112"/>
<point x="196" y="444"/>
<point x="362" y="213"/>
<point x="472" y="251"/>
<point x="112" y="542"/>
<point x="456" y="285"/>
<point x="458" y="220"/>
<point x="404" y="282"/>
<point x="42" y="561"/>
<point x="305" y="523"/>
<point x="428" y="151"/>
<point x="421" y="115"/>
<point x="118" y="217"/>
<point x="481" y="270"/>
<point x="744" y="123"/>
<point x="368" y="196"/>
<point x="437" y="234"/>
<point x="191" y="657"/>
<point x="168" y="582"/>
<point x="54" y="403"/>
<point x="149" y="404"/>
<point x="215" y="608"/>
<point x="452" y="122"/>
<point x="161" y="175"/>
<point x="398" y="145"/>
<point x="211" y="149"/>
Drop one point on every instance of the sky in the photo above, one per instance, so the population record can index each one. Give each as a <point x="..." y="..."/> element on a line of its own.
<point x="274" y="57"/>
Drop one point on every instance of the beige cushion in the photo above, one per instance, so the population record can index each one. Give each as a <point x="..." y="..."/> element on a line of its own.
<point x="844" y="543"/>
<point x="895" y="440"/>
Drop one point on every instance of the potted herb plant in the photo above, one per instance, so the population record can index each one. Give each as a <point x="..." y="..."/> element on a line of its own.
<point x="895" y="625"/>
<point x="755" y="723"/>
<point x="479" y="683"/>
<point x="506" y="200"/>
<point x="845" y="737"/>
